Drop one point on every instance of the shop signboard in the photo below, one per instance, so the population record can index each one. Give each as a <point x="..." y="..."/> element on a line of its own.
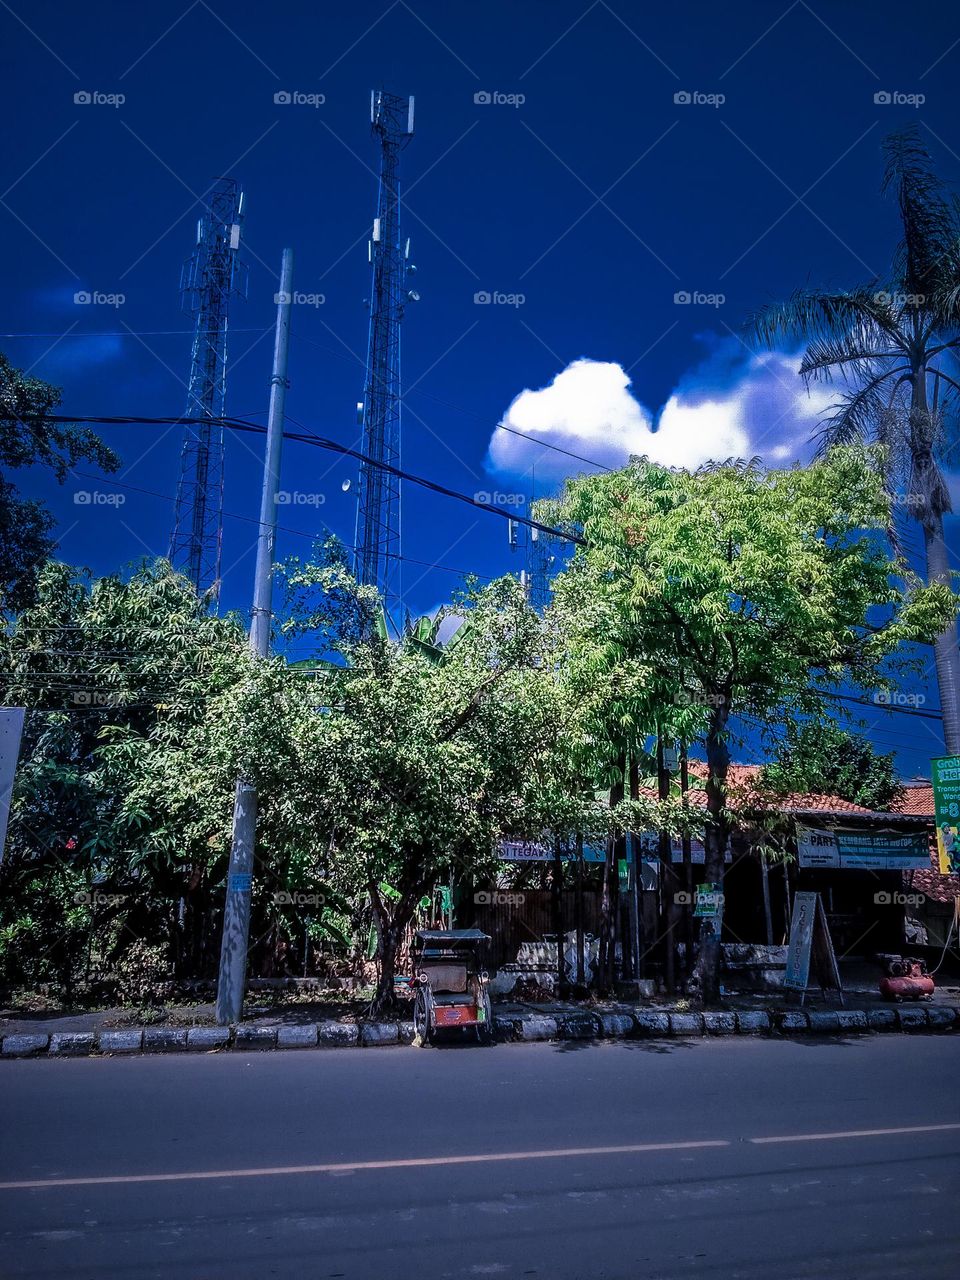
<point x="540" y="851"/>
<point x="862" y="850"/>
<point x="810" y="946"/>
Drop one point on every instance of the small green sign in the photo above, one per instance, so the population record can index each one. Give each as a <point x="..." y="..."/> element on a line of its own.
<point x="709" y="899"/>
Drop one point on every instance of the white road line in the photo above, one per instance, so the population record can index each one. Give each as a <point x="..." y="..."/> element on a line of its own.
<point x="359" y="1165"/>
<point x="426" y="1162"/>
<point x="855" y="1133"/>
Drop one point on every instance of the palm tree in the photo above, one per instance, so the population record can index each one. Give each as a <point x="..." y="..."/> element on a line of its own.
<point x="888" y="343"/>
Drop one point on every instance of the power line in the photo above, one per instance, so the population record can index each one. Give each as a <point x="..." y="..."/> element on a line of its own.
<point x="300" y="533"/>
<point x="545" y="444"/>
<point x="252" y="428"/>
<point x="124" y="333"/>
<point x="935" y="714"/>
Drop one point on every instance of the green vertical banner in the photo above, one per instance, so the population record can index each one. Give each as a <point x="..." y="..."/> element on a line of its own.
<point x="946" y="810"/>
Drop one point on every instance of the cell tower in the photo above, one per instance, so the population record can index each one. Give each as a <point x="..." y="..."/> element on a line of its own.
<point x="540" y="561"/>
<point x="378" y="507"/>
<point x="212" y="274"/>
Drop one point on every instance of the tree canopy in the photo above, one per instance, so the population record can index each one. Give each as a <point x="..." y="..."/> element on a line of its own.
<point x="739" y="593"/>
<point x="27" y="439"/>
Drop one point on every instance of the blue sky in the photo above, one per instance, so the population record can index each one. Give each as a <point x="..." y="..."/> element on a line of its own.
<point x="583" y="195"/>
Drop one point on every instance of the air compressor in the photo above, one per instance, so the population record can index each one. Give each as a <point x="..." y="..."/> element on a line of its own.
<point x="906" y="979"/>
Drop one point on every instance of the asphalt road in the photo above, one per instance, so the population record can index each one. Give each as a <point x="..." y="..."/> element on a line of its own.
<point x="736" y="1159"/>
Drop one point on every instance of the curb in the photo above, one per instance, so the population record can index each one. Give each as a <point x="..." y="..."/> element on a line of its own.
<point x="645" y="1024"/>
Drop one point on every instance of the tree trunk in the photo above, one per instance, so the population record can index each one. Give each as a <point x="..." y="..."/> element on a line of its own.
<point x="610" y="901"/>
<point x="388" y="943"/>
<point x="665" y="849"/>
<point x="706" y="974"/>
<point x="928" y="482"/>
<point x="390" y="922"/>
<point x="945" y="649"/>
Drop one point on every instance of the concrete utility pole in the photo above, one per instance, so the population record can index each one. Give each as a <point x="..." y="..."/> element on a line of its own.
<point x="236" y="915"/>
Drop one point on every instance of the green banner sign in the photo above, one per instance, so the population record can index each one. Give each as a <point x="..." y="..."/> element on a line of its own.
<point x="946" y="809"/>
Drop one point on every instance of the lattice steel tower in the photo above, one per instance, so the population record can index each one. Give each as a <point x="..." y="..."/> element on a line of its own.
<point x="540" y="555"/>
<point x="212" y="274"/>
<point x="378" y="509"/>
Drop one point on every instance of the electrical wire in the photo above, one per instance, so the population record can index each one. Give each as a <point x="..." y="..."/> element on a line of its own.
<point x="459" y="408"/>
<point x="301" y="533"/>
<point x="235" y="424"/>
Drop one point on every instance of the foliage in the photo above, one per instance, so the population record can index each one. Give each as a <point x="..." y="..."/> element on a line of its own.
<point x="28" y="438"/>
<point x="143" y="975"/>
<point x="887" y="344"/>
<point x="736" y="592"/>
<point x="139" y="702"/>
<point x="824" y="759"/>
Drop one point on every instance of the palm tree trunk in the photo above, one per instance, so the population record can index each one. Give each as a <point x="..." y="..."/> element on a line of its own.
<point x="928" y="481"/>
<point x="945" y="648"/>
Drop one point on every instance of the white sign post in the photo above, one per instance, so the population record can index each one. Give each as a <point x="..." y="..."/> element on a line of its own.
<point x="11" y="731"/>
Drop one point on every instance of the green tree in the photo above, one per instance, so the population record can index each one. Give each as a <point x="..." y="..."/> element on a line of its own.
<point x="890" y="343"/>
<point x="759" y="590"/>
<point x="823" y="758"/>
<point x="115" y="675"/>
<point x="28" y="438"/>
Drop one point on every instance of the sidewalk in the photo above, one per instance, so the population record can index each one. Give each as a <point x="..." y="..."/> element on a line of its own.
<point x="301" y="1027"/>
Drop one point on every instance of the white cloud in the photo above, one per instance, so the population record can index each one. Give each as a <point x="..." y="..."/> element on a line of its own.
<point x="732" y="404"/>
<point x="587" y="409"/>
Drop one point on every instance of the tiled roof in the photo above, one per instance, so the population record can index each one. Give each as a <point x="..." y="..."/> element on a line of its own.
<point x="744" y="786"/>
<point x="916" y="801"/>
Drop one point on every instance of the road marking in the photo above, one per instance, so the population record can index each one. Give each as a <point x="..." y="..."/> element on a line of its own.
<point x="426" y="1162"/>
<point x="422" y="1162"/>
<point x="856" y="1133"/>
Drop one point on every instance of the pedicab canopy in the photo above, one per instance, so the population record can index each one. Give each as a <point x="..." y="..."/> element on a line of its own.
<point x="452" y="935"/>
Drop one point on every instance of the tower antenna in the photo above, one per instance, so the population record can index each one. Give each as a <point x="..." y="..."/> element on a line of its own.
<point x="212" y="274"/>
<point x="378" y="507"/>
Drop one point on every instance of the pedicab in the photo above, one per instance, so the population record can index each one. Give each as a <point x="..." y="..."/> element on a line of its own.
<point x="450" y="985"/>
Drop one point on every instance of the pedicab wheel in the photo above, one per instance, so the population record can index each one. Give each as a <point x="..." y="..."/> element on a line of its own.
<point x="485" y="1028"/>
<point x="422" y="1005"/>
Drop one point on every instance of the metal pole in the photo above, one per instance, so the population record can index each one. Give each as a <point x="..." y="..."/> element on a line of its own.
<point x="765" y="884"/>
<point x="236" y="915"/>
<point x="263" y="583"/>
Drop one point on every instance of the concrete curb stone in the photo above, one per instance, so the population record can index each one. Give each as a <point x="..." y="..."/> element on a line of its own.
<point x="304" y="1037"/>
<point x="255" y="1037"/>
<point x="653" y="1024"/>
<point x="121" y="1041"/>
<point x="752" y="1021"/>
<point x="717" y="1023"/>
<point x="337" y="1034"/>
<point x="539" y="1028"/>
<point x="579" y="1026"/>
<point x="824" y="1020"/>
<point x="939" y="1015"/>
<point x="24" y="1046"/>
<point x="881" y="1019"/>
<point x="686" y="1024"/>
<point x="71" y="1044"/>
<point x="164" y="1039"/>
<point x="793" y="1020"/>
<point x="616" y="1025"/>
<point x="852" y="1019"/>
<point x="373" y="1033"/>
<point x="206" y="1038"/>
